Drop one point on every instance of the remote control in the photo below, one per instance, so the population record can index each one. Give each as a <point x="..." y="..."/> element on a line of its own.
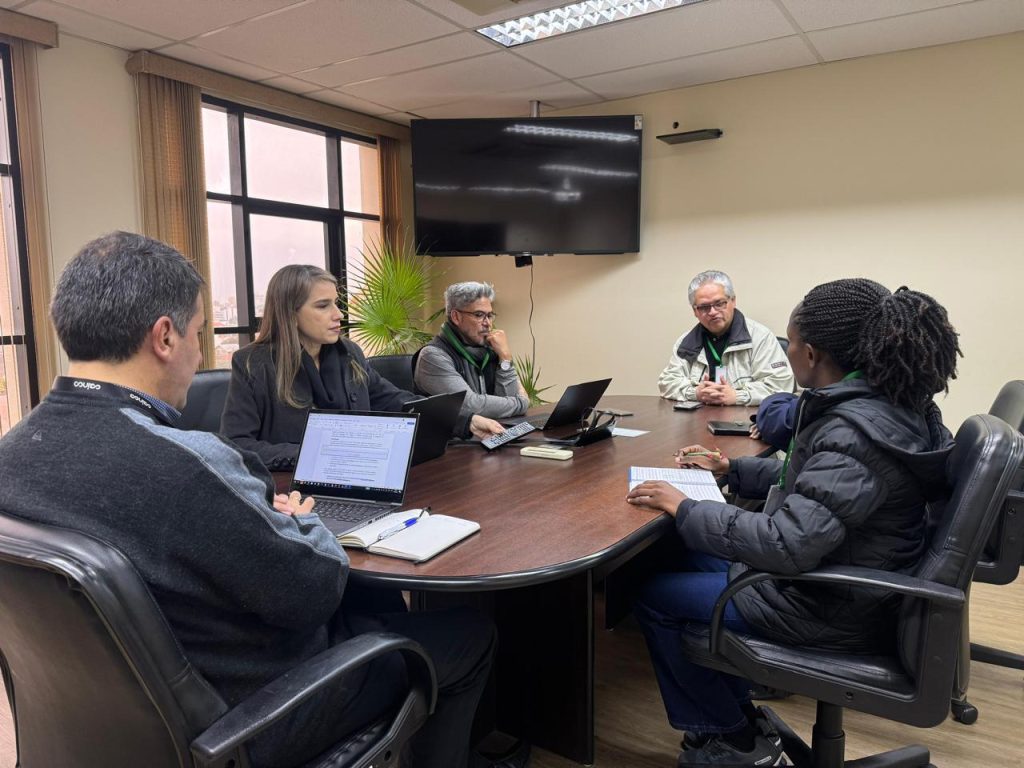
<point x="546" y="452"/>
<point x="510" y="434"/>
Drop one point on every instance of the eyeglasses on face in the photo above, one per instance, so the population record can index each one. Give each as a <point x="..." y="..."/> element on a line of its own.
<point x="718" y="306"/>
<point x="480" y="315"/>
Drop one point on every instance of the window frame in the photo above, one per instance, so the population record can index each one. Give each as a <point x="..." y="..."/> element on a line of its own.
<point x="244" y="206"/>
<point x="12" y="170"/>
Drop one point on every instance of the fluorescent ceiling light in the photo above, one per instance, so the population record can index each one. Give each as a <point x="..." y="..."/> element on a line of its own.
<point x="572" y="18"/>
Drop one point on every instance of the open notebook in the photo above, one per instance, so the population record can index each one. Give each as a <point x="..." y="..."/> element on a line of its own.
<point x="695" y="483"/>
<point x="396" y="536"/>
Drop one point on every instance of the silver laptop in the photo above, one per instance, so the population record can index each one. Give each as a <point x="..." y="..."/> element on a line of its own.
<point x="355" y="465"/>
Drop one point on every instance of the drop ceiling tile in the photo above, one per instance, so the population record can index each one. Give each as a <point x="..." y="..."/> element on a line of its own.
<point x="416" y="56"/>
<point x="783" y="53"/>
<point x="326" y="31"/>
<point x="456" y="81"/>
<point x="10" y="3"/>
<point x="178" y="19"/>
<point x="217" y="62"/>
<point x="74" y="22"/>
<point x="944" y="25"/>
<point x="659" y="36"/>
<point x="515" y="103"/>
<point x="350" y="102"/>
<point x="819" y="14"/>
<point x="291" y="84"/>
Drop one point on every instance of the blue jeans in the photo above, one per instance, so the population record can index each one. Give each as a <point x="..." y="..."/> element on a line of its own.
<point x="697" y="699"/>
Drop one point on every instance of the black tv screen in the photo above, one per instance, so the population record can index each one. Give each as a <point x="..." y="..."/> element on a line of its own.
<point x="527" y="185"/>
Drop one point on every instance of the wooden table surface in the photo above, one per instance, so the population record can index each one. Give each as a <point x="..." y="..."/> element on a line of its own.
<point x="542" y="519"/>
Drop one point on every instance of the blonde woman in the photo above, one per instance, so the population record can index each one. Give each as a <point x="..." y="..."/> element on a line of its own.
<point x="301" y="360"/>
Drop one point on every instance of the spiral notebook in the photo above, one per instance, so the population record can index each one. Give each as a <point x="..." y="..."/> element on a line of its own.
<point x="695" y="483"/>
<point x="410" y="534"/>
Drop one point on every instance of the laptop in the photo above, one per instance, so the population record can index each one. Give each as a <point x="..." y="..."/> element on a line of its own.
<point x="572" y="405"/>
<point x="438" y="415"/>
<point x="355" y="465"/>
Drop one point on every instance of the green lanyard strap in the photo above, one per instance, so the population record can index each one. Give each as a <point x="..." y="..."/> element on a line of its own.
<point x="453" y="339"/>
<point x="792" y="440"/>
<point x="714" y="352"/>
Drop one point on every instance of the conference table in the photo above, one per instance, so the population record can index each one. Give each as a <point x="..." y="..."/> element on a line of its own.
<point x="550" y="531"/>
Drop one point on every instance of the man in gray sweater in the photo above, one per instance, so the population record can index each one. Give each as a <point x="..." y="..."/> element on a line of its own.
<point x="251" y="583"/>
<point x="470" y="355"/>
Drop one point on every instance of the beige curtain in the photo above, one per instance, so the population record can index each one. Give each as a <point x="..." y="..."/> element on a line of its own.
<point x="390" y="190"/>
<point x="173" y="176"/>
<point x="30" y="155"/>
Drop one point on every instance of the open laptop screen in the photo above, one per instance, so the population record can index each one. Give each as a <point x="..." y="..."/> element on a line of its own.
<point x="355" y="455"/>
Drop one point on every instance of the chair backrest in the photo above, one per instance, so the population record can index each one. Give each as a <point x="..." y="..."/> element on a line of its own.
<point x="94" y="675"/>
<point x="985" y="460"/>
<point x="1009" y="404"/>
<point x="395" y="368"/>
<point x="205" y="403"/>
<point x="1003" y="554"/>
<point x="783" y="342"/>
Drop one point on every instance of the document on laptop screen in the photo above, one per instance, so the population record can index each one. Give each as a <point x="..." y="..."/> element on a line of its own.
<point x="357" y="450"/>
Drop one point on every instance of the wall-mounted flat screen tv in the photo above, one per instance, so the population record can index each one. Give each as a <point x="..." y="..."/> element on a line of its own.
<point x="527" y="185"/>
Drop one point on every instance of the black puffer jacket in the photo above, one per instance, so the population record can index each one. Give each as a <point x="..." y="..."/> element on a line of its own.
<point x="857" y="486"/>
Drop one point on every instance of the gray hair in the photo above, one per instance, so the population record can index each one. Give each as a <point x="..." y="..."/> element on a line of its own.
<point x="711" y="276"/>
<point x="459" y="295"/>
<point x="114" y="290"/>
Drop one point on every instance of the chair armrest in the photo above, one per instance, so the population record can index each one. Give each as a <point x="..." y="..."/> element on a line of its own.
<point x="900" y="583"/>
<point x="281" y="695"/>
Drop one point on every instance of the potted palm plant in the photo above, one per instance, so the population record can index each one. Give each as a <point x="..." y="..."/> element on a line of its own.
<point x="385" y="298"/>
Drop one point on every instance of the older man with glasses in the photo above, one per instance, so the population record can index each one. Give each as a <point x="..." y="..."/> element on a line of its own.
<point x="726" y="359"/>
<point x="471" y="355"/>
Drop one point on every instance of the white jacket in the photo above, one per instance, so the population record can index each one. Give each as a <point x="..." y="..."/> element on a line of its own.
<point x="755" y="361"/>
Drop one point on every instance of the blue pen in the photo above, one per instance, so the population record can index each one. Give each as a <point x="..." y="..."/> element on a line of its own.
<point x="400" y="526"/>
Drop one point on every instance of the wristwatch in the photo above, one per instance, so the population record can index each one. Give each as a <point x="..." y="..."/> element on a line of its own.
<point x="505" y="365"/>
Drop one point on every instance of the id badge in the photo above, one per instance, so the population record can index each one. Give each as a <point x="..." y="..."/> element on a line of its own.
<point x="776" y="496"/>
<point x="722" y="374"/>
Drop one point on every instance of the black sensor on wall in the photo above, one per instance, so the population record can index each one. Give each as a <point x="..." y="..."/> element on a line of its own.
<point x="685" y="136"/>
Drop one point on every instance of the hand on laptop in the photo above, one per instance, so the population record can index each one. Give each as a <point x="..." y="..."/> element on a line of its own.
<point x="482" y="427"/>
<point x="293" y="504"/>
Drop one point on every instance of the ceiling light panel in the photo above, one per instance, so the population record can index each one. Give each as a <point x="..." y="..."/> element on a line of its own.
<point x="573" y="18"/>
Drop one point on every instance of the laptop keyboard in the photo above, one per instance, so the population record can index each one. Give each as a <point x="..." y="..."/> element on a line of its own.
<point x="345" y="511"/>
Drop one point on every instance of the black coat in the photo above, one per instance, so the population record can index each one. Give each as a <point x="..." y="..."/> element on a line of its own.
<point x="256" y="420"/>
<point x="861" y="475"/>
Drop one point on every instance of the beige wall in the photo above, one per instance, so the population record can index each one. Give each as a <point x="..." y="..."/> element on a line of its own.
<point x="90" y="145"/>
<point x="907" y="168"/>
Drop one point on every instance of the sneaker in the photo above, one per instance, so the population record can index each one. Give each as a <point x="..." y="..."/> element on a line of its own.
<point x="694" y="740"/>
<point x="766" y="729"/>
<point x="718" y="753"/>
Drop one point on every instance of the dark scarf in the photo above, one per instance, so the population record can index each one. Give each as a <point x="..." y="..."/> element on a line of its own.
<point x="328" y="382"/>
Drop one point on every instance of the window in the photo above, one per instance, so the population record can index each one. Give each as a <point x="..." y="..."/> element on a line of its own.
<point x="279" y="192"/>
<point x="18" y="385"/>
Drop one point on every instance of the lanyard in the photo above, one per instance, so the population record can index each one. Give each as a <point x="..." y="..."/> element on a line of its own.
<point x="714" y="352"/>
<point x="453" y="339"/>
<point x="792" y="440"/>
<point x="107" y="391"/>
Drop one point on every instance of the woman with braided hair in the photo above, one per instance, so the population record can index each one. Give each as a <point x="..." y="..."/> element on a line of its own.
<point x="867" y="456"/>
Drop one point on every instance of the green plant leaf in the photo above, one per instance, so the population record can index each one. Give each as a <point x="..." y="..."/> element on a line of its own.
<point x="529" y="377"/>
<point x="386" y="298"/>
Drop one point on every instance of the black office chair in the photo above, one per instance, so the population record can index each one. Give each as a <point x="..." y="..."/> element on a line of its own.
<point x="910" y="684"/>
<point x="783" y="342"/>
<point x="96" y="679"/>
<point x="1000" y="562"/>
<point x="395" y="368"/>
<point x="205" y="403"/>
